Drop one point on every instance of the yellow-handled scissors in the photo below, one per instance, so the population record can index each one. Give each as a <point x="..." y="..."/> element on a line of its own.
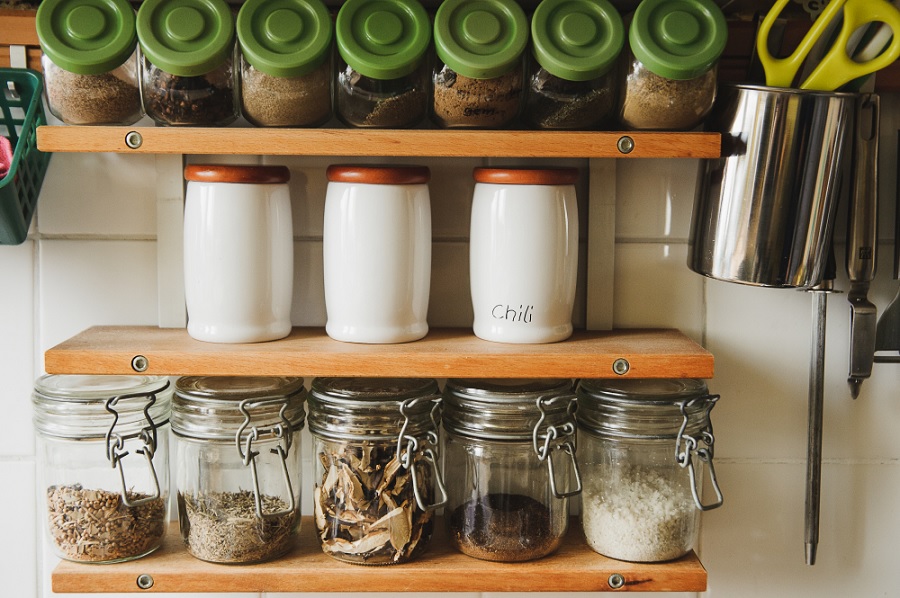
<point x="836" y="67"/>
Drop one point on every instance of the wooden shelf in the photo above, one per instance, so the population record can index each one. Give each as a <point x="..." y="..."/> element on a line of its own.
<point x="573" y="568"/>
<point x="376" y="142"/>
<point x="442" y="353"/>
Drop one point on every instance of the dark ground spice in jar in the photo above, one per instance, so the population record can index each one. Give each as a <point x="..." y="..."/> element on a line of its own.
<point x="396" y="111"/>
<point x="461" y="101"/>
<point x="95" y="526"/>
<point x="286" y="101"/>
<point x="181" y="100"/>
<point x="223" y="527"/>
<point x="586" y="110"/>
<point x="654" y="102"/>
<point x="503" y="527"/>
<point x="91" y="99"/>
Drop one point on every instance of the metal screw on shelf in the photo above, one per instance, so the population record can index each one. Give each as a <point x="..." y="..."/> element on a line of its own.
<point x="621" y="366"/>
<point x="625" y="144"/>
<point x="133" y="139"/>
<point x="144" y="581"/>
<point x="616" y="581"/>
<point x="139" y="363"/>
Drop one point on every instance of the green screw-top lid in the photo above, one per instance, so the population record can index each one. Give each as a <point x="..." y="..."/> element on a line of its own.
<point x="577" y="40"/>
<point x="480" y="39"/>
<point x="678" y="39"/>
<point x="186" y="38"/>
<point x="284" y="38"/>
<point x="383" y="39"/>
<point x="87" y="37"/>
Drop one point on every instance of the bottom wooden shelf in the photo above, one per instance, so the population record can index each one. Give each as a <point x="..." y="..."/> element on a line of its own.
<point x="574" y="568"/>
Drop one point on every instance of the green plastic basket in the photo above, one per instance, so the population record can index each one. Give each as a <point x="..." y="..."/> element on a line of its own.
<point x="22" y="111"/>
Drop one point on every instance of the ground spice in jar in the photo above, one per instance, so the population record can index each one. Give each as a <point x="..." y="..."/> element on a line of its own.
<point x="654" y="102"/>
<point x="461" y="101"/>
<point x="395" y="111"/>
<point x="503" y="527"/>
<point x="286" y="101"/>
<point x="96" y="526"/>
<point x="586" y="110"/>
<point x="91" y="99"/>
<point x="639" y="515"/>
<point x="196" y="100"/>
<point x="224" y="527"/>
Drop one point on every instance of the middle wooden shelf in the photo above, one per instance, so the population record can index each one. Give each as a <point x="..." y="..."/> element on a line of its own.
<point x="443" y="353"/>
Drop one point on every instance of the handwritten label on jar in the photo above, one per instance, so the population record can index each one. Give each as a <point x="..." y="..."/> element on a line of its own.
<point x="506" y="312"/>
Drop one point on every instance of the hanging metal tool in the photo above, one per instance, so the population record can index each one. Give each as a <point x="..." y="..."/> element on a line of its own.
<point x="816" y="409"/>
<point x="887" y="337"/>
<point x="862" y="231"/>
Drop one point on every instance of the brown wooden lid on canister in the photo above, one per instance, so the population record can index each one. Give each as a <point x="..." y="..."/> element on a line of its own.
<point x="526" y="176"/>
<point x="237" y="173"/>
<point x="378" y="175"/>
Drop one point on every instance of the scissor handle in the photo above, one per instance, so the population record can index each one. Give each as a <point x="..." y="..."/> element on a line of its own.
<point x="780" y="72"/>
<point x="837" y="68"/>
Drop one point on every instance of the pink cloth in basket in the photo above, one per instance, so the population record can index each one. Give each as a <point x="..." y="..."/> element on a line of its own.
<point x="6" y="156"/>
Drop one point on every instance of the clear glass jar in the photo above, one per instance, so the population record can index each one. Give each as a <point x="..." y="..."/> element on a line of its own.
<point x="643" y="447"/>
<point x="670" y="72"/>
<point x="510" y="449"/>
<point x="103" y="452"/>
<point x="377" y="467"/>
<point x="285" y="62"/>
<point x="188" y="58"/>
<point x="479" y="78"/>
<point x="237" y="467"/>
<point x="89" y="61"/>
<point x="572" y="80"/>
<point x="381" y="76"/>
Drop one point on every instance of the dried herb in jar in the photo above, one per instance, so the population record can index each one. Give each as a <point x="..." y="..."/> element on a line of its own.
<point x="365" y="507"/>
<point x="96" y="526"/>
<point x="224" y="527"/>
<point x="503" y="527"/>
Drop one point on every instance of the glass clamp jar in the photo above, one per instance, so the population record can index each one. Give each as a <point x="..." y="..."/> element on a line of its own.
<point x="639" y="438"/>
<point x="87" y="426"/>
<point x="188" y="74"/>
<point x="285" y="62"/>
<point x="670" y="79"/>
<point x="381" y="80"/>
<point x="510" y="502"/>
<point x="90" y="61"/>
<point x="572" y="81"/>
<point x="237" y="471"/>
<point x="478" y="79"/>
<point x="378" y="478"/>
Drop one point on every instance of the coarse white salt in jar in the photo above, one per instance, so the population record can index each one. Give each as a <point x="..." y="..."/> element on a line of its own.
<point x="642" y="448"/>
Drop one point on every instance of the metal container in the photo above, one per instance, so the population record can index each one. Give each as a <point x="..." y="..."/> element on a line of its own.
<point x="764" y="211"/>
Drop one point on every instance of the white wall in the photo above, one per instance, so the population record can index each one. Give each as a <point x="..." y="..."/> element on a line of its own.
<point x="92" y="259"/>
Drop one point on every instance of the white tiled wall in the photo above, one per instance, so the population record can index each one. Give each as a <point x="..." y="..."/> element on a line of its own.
<point x="93" y="260"/>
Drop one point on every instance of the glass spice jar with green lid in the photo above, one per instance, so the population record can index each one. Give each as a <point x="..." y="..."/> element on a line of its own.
<point x="670" y="77"/>
<point x="479" y="76"/>
<point x="285" y="62"/>
<point x="188" y="74"/>
<point x="381" y="77"/>
<point x="572" y="79"/>
<point x="90" y="61"/>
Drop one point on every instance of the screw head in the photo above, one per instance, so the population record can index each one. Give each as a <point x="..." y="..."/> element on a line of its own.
<point x="133" y="139"/>
<point x="139" y="363"/>
<point x="616" y="581"/>
<point x="625" y="144"/>
<point x="621" y="366"/>
<point x="145" y="581"/>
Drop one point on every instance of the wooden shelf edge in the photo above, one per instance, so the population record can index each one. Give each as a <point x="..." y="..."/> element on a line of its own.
<point x="380" y="142"/>
<point x="443" y="353"/>
<point x="573" y="568"/>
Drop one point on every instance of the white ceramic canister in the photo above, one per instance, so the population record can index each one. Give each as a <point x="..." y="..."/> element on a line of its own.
<point x="238" y="253"/>
<point x="523" y="254"/>
<point x="377" y="253"/>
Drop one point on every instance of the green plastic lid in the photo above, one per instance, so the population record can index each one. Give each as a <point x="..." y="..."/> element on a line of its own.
<point x="284" y="38"/>
<point x="185" y="37"/>
<point x="383" y="39"/>
<point x="577" y="40"/>
<point x="678" y="39"/>
<point x="480" y="39"/>
<point x="87" y="37"/>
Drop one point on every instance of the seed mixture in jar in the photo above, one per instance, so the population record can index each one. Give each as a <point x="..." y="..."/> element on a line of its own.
<point x="202" y="99"/>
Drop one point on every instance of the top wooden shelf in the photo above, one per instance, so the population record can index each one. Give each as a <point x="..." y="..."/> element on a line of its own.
<point x="378" y="142"/>
<point x="443" y="353"/>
